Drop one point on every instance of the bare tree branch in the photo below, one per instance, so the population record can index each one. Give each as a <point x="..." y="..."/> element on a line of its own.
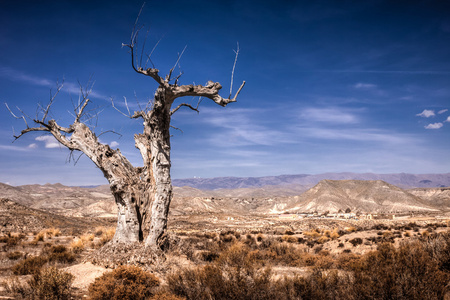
<point x="129" y="114"/>
<point x="21" y="117"/>
<point x="150" y="55"/>
<point x="176" y="128"/>
<point x="109" y="131"/>
<point x="169" y="76"/>
<point x="234" y="66"/>
<point x="187" y="105"/>
<point x="52" y="98"/>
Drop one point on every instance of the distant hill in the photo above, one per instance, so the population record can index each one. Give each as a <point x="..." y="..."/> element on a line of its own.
<point x="439" y="197"/>
<point x="358" y="195"/>
<point x="15" y="217"/>
<point x="402" y="180"/>
<point x="63" y="200"/>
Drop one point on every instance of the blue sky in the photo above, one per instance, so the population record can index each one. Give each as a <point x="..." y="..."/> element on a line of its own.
<point x="332" y="86"/>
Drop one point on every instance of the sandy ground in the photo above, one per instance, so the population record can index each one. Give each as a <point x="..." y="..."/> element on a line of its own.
<point x="85" y="274"/>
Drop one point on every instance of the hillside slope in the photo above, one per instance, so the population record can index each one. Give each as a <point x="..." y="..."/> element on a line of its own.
<point x="358" y="195"/>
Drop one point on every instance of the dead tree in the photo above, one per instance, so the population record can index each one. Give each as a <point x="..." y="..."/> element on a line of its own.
<point x="142" y="194"/>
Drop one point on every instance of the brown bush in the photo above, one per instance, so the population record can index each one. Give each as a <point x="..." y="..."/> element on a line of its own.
<point x="356" y="241"/>
<point x="404" y="273"/>
<point x="289" y="238"/>
<point x="214" y="282"/>
<point x="29" y="265"/>
<point x="11" y="240"/>
<point x="52" y="284"/>
<point x="77" y="246"/>
<point x="348" y="261"/>
<point x="414" y="270"/>
<point x="105" y="235"/>
<point x="312" y="234"/>
<point x="318" y="285"/>
<point x="125" y="282"/>
<point x="17" y="288"/>
<point x="14" y="255"/>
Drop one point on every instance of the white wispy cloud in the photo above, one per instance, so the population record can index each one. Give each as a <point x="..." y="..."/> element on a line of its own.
<point x="426" y="113"/>
<point x="329" y="115"/>
<point x="361" y="85"/>
<point x="13" y="148"/>
<point x="20" y="76"/>
<point x="448" y="119"/>
<point x="242" y="127"/>
<point x="50" y="141"/>
<point x="442" y="111"/>
<point x="32" y="146"/>
<point x="68" y="87"/>
<point x="114" y="144"/>
<point x="354" y="134"/>
<point x="434" y="126"/>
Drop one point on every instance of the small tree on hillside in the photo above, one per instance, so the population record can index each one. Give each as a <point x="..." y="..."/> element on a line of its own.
<point x="142" y="194"/>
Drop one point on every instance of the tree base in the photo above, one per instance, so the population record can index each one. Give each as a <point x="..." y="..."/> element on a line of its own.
<point x="114" y="254"/>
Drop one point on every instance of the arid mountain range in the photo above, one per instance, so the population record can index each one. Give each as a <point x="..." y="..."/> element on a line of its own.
<point x="281" y="194"/>
<point x="402" y="180"/>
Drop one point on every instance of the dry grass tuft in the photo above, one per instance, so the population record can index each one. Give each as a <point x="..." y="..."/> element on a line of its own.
<point x="51" y="283"/>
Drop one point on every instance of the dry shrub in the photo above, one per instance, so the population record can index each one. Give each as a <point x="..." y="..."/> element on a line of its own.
<point x="387" y="234"/>
<point x="208" y="256"/>
<point x="50" y="283"/>
<point x="323" y="239"/>
<point x="39" y="237"/>
<point x="60" y="254"/>
<point x="46" y="234"/>
<point x="77" y="246"/>
<point x="29" y="265"/>
<point x="356" y="241"/>
<point x="250" y="240"/>
<point x="14" y="255"/>
<point x="260" y="237"/>
<point x="289" y="238"/>
<point x="318" y="285"/>
<point x="348" y="261"/>
<point x="286" y="254"/>
<point x="311" y="234"/>
<point x="351" y="229"/>
<point x="331" y="234"/>
<point x="106" y="235"/>
<point x="52" y="232"/>
<point x="227" y="238"/>
<point x="17" y="288"/>
<point x="88" y="237"/>
<point x="99" y="230"/>
<point x="125" y="282"/>
<point x="415" y="270"/>
<point x="438" y="248"/>
<point x="309" y="259"/>
<point x="215" y="282"/>
<point x="404" y="273"/>
<point x="11" y="240"/>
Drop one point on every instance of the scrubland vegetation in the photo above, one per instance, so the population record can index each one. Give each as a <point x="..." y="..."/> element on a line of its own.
<point x="408" y="261"/>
